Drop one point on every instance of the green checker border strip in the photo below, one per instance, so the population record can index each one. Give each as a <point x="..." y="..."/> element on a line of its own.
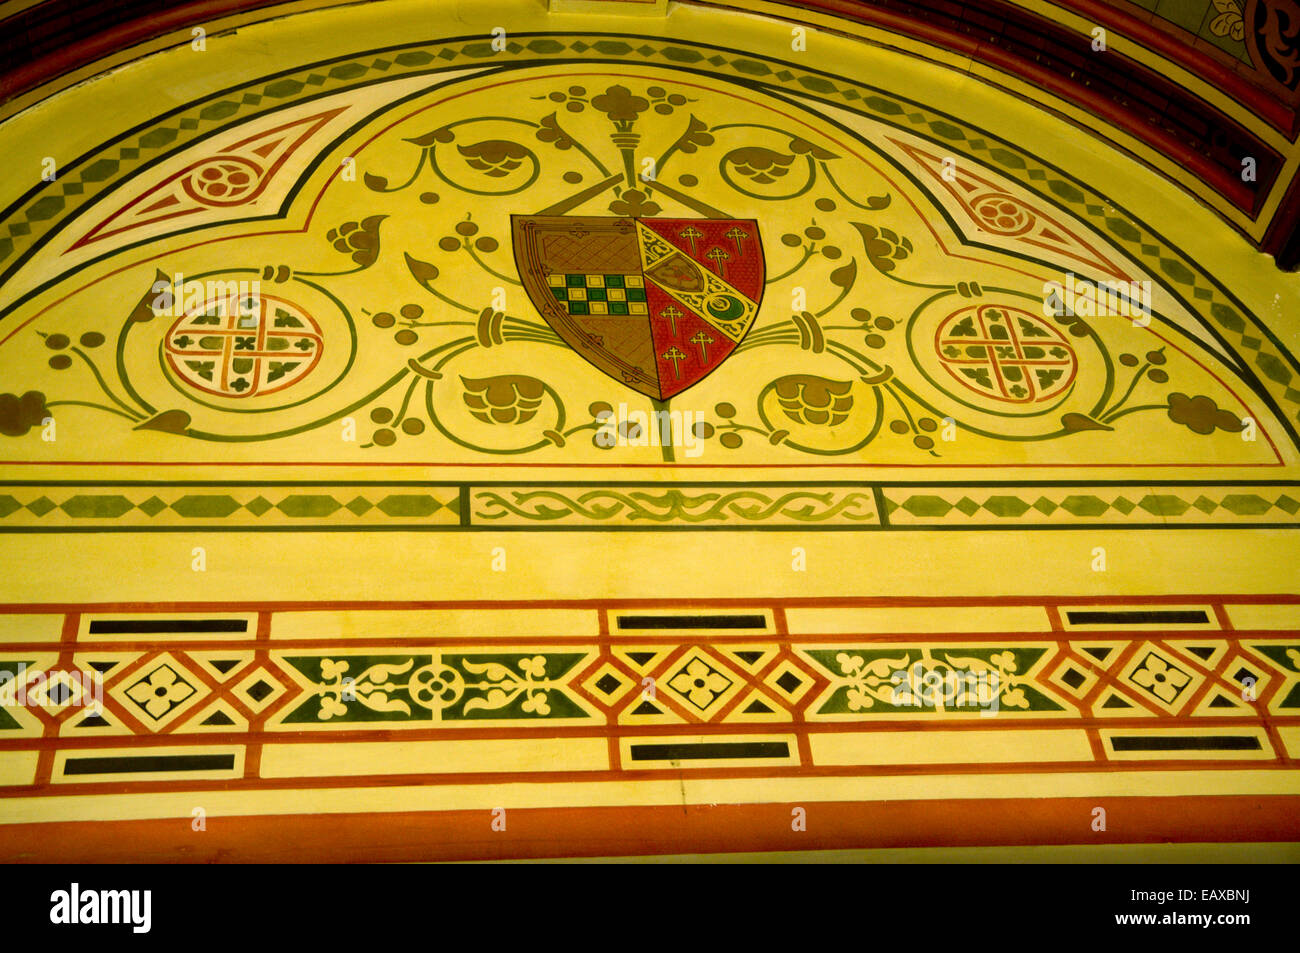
<point x="534" y="506"/>
<point x="35" y="218"/>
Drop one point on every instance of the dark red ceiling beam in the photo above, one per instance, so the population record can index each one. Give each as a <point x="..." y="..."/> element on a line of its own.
<point x="1222" y="177"/>
<point x="1279" y="114"/>
<point x="79" y="43"/>
<point x="47" y="40"/>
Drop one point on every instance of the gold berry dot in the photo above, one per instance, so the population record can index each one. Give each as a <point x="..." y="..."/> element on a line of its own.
<point x="411" y="311"/>
<point x="731" y="440"/>
<point x="688" y="180"/>
<point x="383" y="320"/>
<point x="825" y="205"/>
<point x="924" y="443"/>
<point x="448" y="243"/>
<point x="60" y="362"/>
<point x="466" y="228"/>
<point x="573" y="178"/>
<point x="486" y="244"/>
<point x="428" y="198"/>
<point x="726" y="409"/>
<point x="413" y="426"/>
<point x="927" y="424"/>
<point x="898" y="426"/>
<point x="875" y="340"/>
<point x="381" y="415"/>
<point x="884" y="323"/>
<point x="406" y="336"/>
<point x="385" y="437"/>
<point x="92" y="339"/>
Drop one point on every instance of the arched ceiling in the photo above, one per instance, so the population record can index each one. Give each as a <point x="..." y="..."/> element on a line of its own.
<point x="330" y="340"/>
<point x="1200" y="89"/>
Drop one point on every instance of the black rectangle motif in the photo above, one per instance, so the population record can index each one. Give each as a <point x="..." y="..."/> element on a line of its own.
<point x="143" y="764"/>
<point x="699" y="751"/>
<point x="154" y="626"/>
<point x="1185" y="743"/>
<point x="692" y="622"/>
<point x="1138" y="617"/>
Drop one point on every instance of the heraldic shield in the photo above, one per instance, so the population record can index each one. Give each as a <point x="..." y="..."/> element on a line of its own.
<point x="656" y="303"/>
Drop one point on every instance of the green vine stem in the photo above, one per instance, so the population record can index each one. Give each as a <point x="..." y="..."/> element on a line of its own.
<point x="874" y="204"/>
<point x="807" y="254"/>
<point x="844" y="291"/>
<point x="424" y="156"/>
<point x="1133" y="410"/>
<point x="99" y="378"/>
<point x="85" y="403"/>
<point x="488" y="268"/>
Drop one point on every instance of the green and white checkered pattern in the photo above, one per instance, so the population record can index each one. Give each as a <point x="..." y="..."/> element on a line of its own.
<point x="599" y="294"/>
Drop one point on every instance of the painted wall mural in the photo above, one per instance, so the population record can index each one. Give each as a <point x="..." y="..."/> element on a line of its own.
<point x="457" y="267"/>
<point x="428" y="301"/>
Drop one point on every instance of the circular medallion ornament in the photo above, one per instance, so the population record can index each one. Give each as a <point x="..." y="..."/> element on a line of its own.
<point x="436" y="686"/>
<point x="1002" y="214"/>
<point x="243" y="346"/>
<point x="222" y="181"/>
<point x="1006" y="355"/>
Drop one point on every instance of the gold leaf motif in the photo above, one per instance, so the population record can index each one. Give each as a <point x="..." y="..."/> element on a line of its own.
<point x="1229" y="21"/>
<point x="505" y="399"/>
<point x="20" y="414"/>
<point x="1074" y="423"/>
<point x="619" y="104"/>
<point x="169" y="421"/>
<point x="1202" y="415"/>
<point x="495" y="158"/>
<point x="495" y="671"/>
<point x="809" y="399"/>
<point x="762" y="165"/>
<point x="421" y="271"/>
